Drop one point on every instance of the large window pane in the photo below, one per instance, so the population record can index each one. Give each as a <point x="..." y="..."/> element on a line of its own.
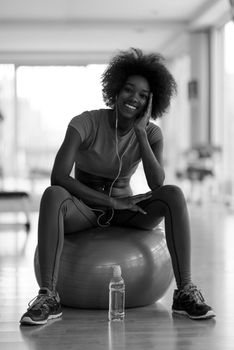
<point x="48" y="97"/>
<point x="7" y="121"/>
<point x="228" y="146"/>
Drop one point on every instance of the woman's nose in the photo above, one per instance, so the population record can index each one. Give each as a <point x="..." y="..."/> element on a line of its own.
<point x="134" y="97"/>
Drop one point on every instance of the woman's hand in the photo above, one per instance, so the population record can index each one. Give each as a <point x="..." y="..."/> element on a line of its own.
<point x="130" y="202"/>
<point x="142" y="121"/>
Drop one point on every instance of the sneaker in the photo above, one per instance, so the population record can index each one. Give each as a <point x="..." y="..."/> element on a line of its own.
<point x="190" y="302"/>
<point x="42" y="308"/>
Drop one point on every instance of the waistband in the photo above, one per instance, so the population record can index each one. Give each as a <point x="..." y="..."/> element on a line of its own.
<point x="102" y="184"/>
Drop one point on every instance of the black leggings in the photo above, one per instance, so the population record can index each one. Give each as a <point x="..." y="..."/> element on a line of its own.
<point x="61" y="213"/>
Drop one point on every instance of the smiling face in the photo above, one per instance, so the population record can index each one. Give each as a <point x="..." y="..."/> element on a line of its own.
<point x="133" y="97"/>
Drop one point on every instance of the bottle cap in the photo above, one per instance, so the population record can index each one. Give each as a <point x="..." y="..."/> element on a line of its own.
<point x="116" y="271"/>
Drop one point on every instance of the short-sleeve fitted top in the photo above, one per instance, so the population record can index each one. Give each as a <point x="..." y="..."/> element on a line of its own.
<point x="97" y="154"/>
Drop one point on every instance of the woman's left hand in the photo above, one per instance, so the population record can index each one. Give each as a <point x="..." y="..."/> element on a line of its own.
<point x="141" y="122"/>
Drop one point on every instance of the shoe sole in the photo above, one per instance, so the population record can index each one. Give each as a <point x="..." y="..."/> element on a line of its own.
<point x="208" y="315"/>
<point x="29" y="321"/>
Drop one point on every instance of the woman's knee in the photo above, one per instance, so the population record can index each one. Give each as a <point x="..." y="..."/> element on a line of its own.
<point x="171" y="193"/>
<point x="55" y="194"/>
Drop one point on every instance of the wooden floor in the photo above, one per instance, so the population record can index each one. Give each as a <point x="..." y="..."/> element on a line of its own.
<point x="151" y="327"/>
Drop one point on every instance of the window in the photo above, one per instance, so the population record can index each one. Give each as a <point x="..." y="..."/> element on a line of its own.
<point x="228" y="118"/>
<point x="48" y="97"/>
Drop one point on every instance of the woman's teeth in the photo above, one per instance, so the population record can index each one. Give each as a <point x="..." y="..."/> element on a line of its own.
<point x="133" y="108"/>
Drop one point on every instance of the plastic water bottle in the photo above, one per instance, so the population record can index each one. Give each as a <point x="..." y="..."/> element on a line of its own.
<point x="116" y="296"/>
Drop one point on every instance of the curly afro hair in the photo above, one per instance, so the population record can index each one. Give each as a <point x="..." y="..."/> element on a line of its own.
<point x="151" y="67"/>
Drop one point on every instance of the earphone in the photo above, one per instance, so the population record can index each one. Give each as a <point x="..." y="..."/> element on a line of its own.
<point x="120" y="159"/>
<point x="117" y="176"/>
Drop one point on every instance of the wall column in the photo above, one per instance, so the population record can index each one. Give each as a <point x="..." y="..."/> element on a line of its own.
<point x="199" y="88"/>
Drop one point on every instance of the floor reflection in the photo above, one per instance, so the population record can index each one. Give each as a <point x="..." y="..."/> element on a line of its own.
<point x="116" y="335"/>
<point x="191" y="334"/>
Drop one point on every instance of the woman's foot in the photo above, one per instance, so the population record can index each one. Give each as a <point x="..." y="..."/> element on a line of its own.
<point x="190" y="302"/>
<point x="44" y="307"/>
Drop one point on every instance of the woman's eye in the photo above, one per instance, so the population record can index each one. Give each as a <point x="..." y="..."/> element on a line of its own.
<point x="127" y="89"/>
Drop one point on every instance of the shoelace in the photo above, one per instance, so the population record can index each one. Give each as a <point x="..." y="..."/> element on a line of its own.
<point x="193" y="293"/>
<point x="38" y="301"/>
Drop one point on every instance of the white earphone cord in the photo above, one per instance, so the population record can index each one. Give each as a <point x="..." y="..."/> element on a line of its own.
<point x="120" y="159"/>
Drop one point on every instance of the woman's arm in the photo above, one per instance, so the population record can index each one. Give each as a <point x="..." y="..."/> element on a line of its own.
<point x="151" y="155"/>
<point x="152" y="160"/>
<point x="63" y="164"/>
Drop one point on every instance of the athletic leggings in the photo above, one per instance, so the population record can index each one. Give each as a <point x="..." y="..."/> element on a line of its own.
<point x="61" y="213"/>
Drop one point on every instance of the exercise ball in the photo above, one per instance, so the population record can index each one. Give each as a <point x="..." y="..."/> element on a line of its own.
<point x="87" y="259"/>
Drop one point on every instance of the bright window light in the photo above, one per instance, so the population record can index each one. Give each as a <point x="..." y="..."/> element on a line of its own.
<point x="229" y="48"/>
<point x="51" y="96"/>
<point x="48" y="97"/>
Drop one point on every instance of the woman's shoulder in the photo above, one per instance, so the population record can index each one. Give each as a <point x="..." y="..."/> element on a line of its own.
<point x="154" y="132"/>
<point x="88" y="122"/>
<point x="90" y="115"/>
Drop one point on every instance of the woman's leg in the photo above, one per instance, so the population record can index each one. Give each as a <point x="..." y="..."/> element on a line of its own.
<point x="60" y="213"/>
<point x="166" y="202"/>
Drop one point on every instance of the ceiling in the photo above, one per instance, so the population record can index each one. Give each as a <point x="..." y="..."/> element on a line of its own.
<point x="75" y="31"/>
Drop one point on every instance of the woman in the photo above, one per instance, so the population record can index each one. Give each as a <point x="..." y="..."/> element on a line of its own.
<point x="106" y="146"/>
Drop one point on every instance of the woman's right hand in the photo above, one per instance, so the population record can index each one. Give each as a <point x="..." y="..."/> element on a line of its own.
<point x="130" y="203"/>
